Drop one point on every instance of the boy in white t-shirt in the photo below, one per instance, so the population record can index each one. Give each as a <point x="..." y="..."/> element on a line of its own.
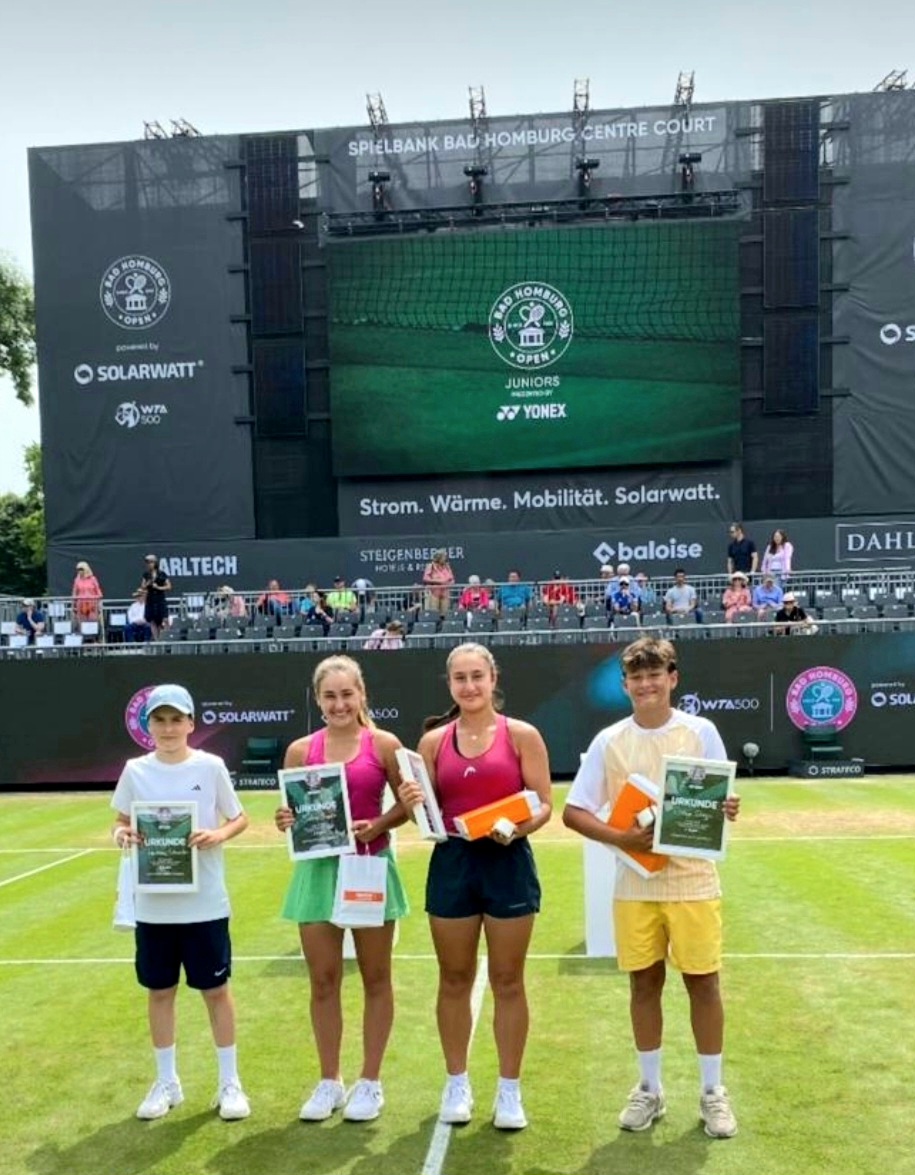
<point x="676" y="913"/>
<point x="184" y="929"/>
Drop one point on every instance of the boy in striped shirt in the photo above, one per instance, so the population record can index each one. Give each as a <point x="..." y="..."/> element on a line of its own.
<point x="676" y="913"/>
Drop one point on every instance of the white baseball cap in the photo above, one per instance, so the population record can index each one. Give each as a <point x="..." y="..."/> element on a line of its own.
<point x="175" y="696"/>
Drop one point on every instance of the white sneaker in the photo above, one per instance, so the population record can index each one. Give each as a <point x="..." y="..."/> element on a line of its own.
<point x="364" y="1102"/>
<point x="162" y="1096"/>
<point x="508" y="1112"/>
<point x="642" y="1109"/>
<point x="457" y="1103"/>
<point x="716" y="1113"/>
<point x="232" y="1103"/>
<point x="327" y="1096"/>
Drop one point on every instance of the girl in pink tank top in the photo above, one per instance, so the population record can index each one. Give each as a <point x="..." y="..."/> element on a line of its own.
<point x="369" y="754"/>
<point x="475" y="755"/>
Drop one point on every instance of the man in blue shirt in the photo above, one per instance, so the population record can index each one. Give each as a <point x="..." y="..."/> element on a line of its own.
<point x="514" y="593"/>
<point x="31" y="621"/>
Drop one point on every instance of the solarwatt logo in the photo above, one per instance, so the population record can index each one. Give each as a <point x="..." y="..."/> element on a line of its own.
<point x="85" y="374"/>
<point x="892" y="333"/>
<point x="530" y="325"/>
<point x="135" y="292"/>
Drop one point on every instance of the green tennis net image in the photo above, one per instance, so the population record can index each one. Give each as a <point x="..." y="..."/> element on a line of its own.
<point x="611" y="344"/>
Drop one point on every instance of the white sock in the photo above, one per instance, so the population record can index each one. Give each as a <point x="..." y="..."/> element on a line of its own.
<point x="228" y="1065"/>
<point x="166" y="1071"/>
<point x="709" y="1070"/>
<point x="510" y="1085"/>
<point x="459" y="1078"/>
<point x="650" y="1069"/>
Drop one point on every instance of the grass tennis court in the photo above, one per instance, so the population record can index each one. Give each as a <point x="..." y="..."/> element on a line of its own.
<point x="819" y="986"/>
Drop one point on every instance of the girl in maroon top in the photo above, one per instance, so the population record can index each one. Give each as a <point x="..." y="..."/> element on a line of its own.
<point x="475" y="755"/>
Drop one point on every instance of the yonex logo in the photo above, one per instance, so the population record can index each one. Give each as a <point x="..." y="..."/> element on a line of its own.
<point x="508" y="411"/>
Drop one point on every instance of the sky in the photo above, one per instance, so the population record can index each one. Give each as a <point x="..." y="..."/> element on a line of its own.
<point x="96" y="70"/>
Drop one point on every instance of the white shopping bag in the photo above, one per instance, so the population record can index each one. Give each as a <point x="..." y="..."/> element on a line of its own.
<point x="124" y="911"/>
<point x="362" y="890"/>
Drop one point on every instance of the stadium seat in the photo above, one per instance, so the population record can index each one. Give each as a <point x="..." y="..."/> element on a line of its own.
<point x="510" y="623"/>
<point x="453" y="626"/>
<point x="567" y="636"/>
<point x="822" y="742"/>
<point x="624" y="623"/>
<point x="713" y="616"/>
<point x="826" y="599"/>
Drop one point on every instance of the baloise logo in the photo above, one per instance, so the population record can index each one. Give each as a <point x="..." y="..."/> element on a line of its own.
<point x="135" y="292"/>
<point x="530" y="325"/>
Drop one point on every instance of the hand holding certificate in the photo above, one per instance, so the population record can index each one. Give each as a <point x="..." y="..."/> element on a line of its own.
<point x="319" y="801"/>
<point x="163" y="860"/>
<point x="691" y="819"/>
<point x="428" y="815"/>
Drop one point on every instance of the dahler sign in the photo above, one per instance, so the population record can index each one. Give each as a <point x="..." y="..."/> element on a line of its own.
<point x="875" y="542"/>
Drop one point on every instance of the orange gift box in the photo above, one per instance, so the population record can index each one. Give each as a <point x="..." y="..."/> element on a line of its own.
<point x="517" y="808"/>
<point x="636" y="794"/>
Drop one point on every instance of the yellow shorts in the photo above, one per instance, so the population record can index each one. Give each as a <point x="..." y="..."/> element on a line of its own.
<point x="688" y="933"/>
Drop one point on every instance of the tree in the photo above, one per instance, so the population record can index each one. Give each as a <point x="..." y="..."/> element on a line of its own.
<point x="23" y="570"/>
<point x="17" y="329"/>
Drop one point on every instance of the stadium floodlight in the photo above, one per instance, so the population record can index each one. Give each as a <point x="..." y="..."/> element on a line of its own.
<point x="475" y="173"/>
<point x="378" y="179"/>
<point x="585" y="166"/>
<point x="688" y="161"/>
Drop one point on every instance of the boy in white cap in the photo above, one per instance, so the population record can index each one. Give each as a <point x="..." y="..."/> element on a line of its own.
<point x="184" y="929"/>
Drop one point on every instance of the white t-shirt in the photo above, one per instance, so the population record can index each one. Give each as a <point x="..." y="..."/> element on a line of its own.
<point x="203" y="779"/>
<point x="624" y="748"/>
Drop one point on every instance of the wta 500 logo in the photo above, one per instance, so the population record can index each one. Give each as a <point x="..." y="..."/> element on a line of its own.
<point x="822" y="697"/>
<point x="530" y="325"/>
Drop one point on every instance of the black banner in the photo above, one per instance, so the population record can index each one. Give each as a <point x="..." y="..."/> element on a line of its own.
<point x="136" y="346"/>
<point x="756" y="691"/>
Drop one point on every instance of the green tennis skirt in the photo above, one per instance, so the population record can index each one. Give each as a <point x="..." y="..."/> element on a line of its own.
<point x="310" y="897"/>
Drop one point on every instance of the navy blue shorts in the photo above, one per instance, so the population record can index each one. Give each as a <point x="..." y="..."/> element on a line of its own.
<point x="203" y="949"/>
<point x="472" y="877"/>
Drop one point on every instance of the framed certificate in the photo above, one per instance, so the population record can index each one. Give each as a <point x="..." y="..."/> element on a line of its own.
<point x="319" y="801"/>
<point x="690" y="820"/>
<point x="428" y="814"/>
<point x="163" y="862"/>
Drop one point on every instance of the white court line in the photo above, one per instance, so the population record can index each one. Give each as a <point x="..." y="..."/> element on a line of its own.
<point x="441" y="1135"/>
<point x="42" y="868"/>
<point x="849" y="956"/>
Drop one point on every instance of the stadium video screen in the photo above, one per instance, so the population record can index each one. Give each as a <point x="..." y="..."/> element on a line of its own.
<point x="535" y="348"/>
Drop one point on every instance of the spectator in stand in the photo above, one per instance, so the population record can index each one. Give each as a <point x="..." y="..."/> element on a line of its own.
<point x="31" y="621"/>
<point x="557" y="592"/>
<point x="792" y="617"/>
<point x="388" y="636"/>
<point x="681" y="598"/>
<point x="87" y="594"/>
<point x="313" y="610"/>
<point x="742" y="553"/>
<point x="229" y="605"/>
<point x="137" y="630"/>
<point x="778" y="556"/>
<point x="155" y="585"/>
<point x="365" y="595"/>
<point x="514" y="593"/>
<point x="475" y="597"/>
<point x="274" y="601"/>
<point x="340" y="598"/>
<point x="643" y="588"/>
<point x="625" y="602"/>
<point x="767" y="596"/>
<point x="736" y="598"/>
<point x="438" y="578"/>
